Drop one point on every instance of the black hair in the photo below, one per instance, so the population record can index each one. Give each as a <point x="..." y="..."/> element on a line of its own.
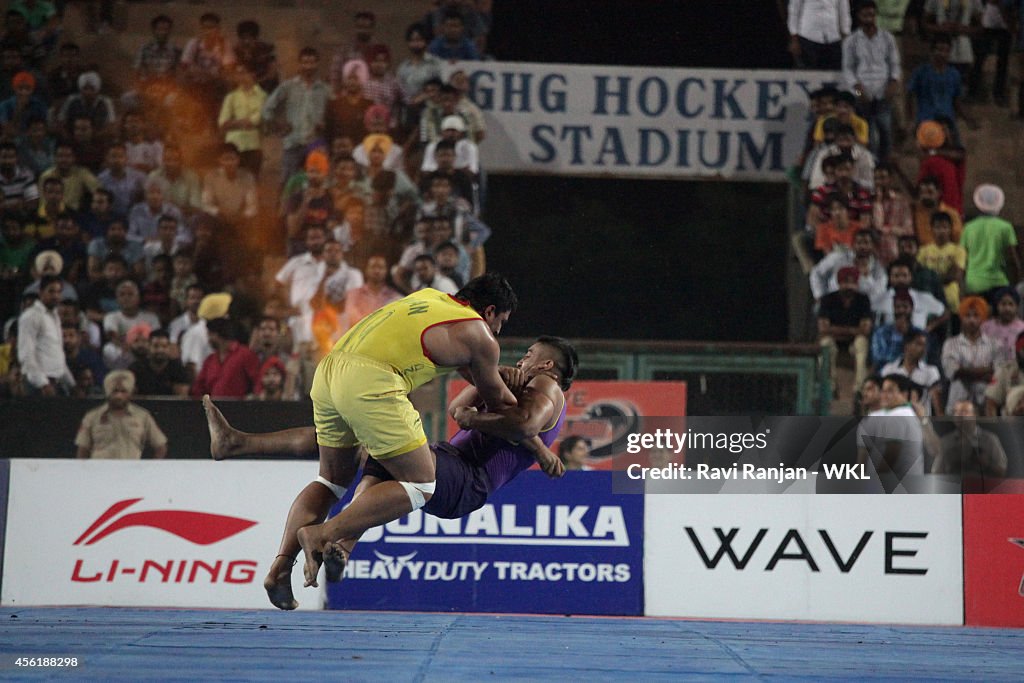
<point x="941" y="39"/>
<point x="941" y="217"/>
<point x="225" y="328"/>
<point x="160" y="19"/>
<point x="568" y="363"/>
<point x="569" y="443"/>
<point x="903" y="383"/>
<point x="47" y="280"/>
<point x="160" y="333"/>
<point x="425" y="257"/>
<point x="489" y="289"/>
<point x="210" y="16"/>
<point x="912" y="334"/>
<point x="416" y="28"/>
<point x="444" y="144"/>
<point x="902" y="261"/>
<point x="247" y="28"/>
<point x="309" y="52"/>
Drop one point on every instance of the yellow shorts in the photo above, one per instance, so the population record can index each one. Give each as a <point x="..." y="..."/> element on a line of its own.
<point x="357" y="400"/>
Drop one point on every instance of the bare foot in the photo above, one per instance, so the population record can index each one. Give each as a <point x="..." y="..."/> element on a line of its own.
<point x="310" y="543"/>
<point x="278" y="584"/>
<point x="225" y="440"/>
<point x="335" y="559"/>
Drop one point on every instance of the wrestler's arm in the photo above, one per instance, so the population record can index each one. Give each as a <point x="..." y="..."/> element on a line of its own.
<point x="483" y="367"/>
<point x="536" y="410"/>
<point x="549" y="462"/>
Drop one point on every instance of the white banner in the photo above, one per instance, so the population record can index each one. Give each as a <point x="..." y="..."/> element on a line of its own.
<point x="148" y="533"/>
<point x="893" y="559"/>
<point x="640" y="121"/>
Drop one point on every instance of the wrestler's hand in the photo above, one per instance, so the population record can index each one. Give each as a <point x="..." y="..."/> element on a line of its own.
<point x="549" y="462"/>
<point x="514" y="378"/>
<point x="463" y="416"/>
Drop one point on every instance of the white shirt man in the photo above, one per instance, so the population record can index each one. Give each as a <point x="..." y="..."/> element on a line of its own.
<point x="302" y="275"/>
<point x="40" y="342"/>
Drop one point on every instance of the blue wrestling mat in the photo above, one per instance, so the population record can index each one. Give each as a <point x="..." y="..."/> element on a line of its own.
<point x="168" y="644"/>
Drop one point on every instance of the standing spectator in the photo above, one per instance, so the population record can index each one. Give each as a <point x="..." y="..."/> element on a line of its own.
<point x="114" y="242"/>
<point x="413" y="73"/>
<point x="17" y="183"/>
<point x="339" y="277"/>
<point x="79" y="182"/>
<point x="957" y="19"/>
<point x="67" y="242"/>
<point x="159" y="374"/>
<point x="304" y="98"/>
<point x="946" y="258"/>
<point x="365" y="23"/>
<point x="991" y="245"/>
<point x="272" y="381"/>
<point x="346" y="109"/>
<point x="232" y="370"/>
<point x="363" y="301"/>
<point x="995" y="34"/>
<point x="871" y="69"/>
<point x="62" y="80"/>
<point x="240" y="117"/>
<point x="968" y="359"/>
<point x="302" y="275"/>
<point x="36" y="147"/>
<point x="189" y="308"/>
<point x="125" y="184"/>
<point x="844" y="317"/>
<point x="816" y="31"/>
<point x="41" y="344"/>
<point x="1006" y="325"/>
<point x="144" y="153"/>
<point x="256" y="55"/>
<point x="935" y="88"/>
<point x="381" y="86"/>
<point x="119" y="429"/>
<point x="452" y="44"/>
<point x="88" y="103"/>
<point x="157" y="60"/>
<point x="205" y="61"/>
<point x="913" y="366"/>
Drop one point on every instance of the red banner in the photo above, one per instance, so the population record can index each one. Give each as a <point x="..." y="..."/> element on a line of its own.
<point x="994" y="560"/>
<point x="606" y="412"/>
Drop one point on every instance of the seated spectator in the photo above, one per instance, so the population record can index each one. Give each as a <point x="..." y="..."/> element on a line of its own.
<point x="453" y="262"/>
<point x="268" y="341"/>
<point x="869" y="398"/>
<point x="1008" y="376"/>
<point x="311" y="204"/>
<point x="145" y="216"/>
<point x="256" y="56"/>
<point x="844" y="113"/>
<point x="991" y="245"/>
<point x="863" y="164"/>
<point x="452" y="44"/>
<point x="156" y="291"/>
<point x="49" y="262"/>
<point x="891" y="212"/>
<point x="376" y="120"/>
<point x="438" y="108"/>
<point x="272" y="381"/>
<point x="182" y="279"/>
<point x="101" y="297"/>
<point x="17" y="183"/>
<point x="1006" y="326"/>
<point x="460" y="179"/>
<point x="94" y="222"/>
<point x="117" y="352"/>
<point x="182" y="185"/>
<point x="18" y="111"/>
<point x="80" y="355"/>
<point x="90" y="147"/>
<point x="144" y="153"/>
<point x="125" y="184"/>
<point x="374" y="293"/>
<point x="838" y="231"/>
<point x="476" y="127"/>
<point x="969" y="450"/>
<point x="78" y="182"/>
<point x="467" y="156"/>
<point x="62" y="79"/>
<point x="413" y="73"/>
<point x="339" y="277"/>
<point x="36" y="148"/>
<point x="844" y="318"/>
<point x="157" y="60"/>
<point x="968" y="360"/>
<point x="229" y="192"/>
<point x="119" y="429"/>
<point x="15" y="248"/>
<point x="67" y="242"/>
<point x="425" y="274"/>
<point x="189" y="316"/>
<point x="872" y="279"/>
<point x="923" y="278"/>
<point x="88" y="103"/>
<point x="913" y="366"/>
<point x="945" y="258"/>
<point x="930" y="139"/>
<point x="887" y="339"/>
<point x="365" y="23"/>
<point x="71" y="313"/>
<point x="929" y="201"/>
<point x="232" y="370"/>
<point x="241" y="115"/>
<point x="858" y="198"/>
<point x="115" y="242"/>
<point x="929" y="313"/>
<point x="43" y="222"/>
<point x="167" y="241"/>
<point x="195" y="343"/>
<point x="205" y="62"/>
<point x="159" y="374"/>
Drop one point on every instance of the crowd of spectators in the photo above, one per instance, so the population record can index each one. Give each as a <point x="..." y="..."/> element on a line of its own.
<point x="906" y="275"/>
<point x="136" y="223"/>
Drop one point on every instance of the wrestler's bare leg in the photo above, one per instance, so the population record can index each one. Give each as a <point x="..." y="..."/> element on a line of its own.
<point x="336" y="554"/>
<point x="228" y="442"/>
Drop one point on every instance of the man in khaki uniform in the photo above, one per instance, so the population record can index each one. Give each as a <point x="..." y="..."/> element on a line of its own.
<point x="119" y="429"/>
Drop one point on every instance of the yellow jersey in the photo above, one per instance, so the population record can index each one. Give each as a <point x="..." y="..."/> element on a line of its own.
<point x="393" y="334"/>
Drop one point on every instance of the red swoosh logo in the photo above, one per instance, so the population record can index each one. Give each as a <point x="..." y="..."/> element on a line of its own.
<point x="201" y="528"/>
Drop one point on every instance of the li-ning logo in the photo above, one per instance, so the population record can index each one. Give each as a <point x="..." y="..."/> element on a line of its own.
<point x="1020" y="543"/>
<point x="201" y="528"/>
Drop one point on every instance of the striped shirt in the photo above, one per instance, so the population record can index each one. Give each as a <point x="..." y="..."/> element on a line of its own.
<point x="961" y="352"/>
